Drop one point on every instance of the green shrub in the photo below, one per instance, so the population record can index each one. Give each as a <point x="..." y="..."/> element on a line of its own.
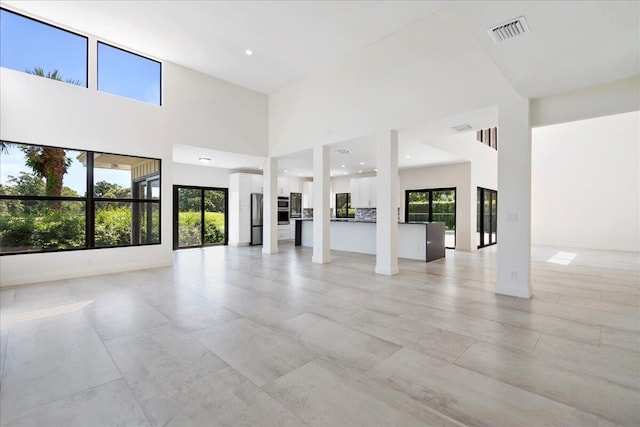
<point x="48" y="230"/>
<point x="113" y="225"/>
<point x="189" y="228"/>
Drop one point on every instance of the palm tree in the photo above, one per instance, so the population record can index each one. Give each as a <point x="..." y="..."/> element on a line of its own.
<point x="53" y="75"/>
<point x="49" y="163"/>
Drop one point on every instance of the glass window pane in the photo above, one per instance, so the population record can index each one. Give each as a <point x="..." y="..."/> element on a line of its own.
<point x="34" y="47"/>
<point x="189" y="217"/>
<point x="35" y="225"/>
<point x="214" y="217"/>
<point x="126" y="74"/>
<point x="296" y="205"/>
<point x="444" y="210"/>
<point x="114" y="226"/>
<point x="35" y="170"/>
<point x="418" y="206"/>
<point x="115" y="175"/>
<point x="146" y="227"/>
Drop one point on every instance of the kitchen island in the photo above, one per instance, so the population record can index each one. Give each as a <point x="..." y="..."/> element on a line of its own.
<point x="420" y="241"/>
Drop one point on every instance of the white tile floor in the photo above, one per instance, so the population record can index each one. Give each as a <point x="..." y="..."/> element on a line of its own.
<point x="231" y="337"/>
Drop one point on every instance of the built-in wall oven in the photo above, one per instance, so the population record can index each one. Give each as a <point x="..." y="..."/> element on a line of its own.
<point x="283" y="210"/>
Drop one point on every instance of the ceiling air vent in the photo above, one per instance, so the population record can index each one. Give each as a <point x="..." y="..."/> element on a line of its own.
<point x="343" y="151"/>
<point x="508" y="30"/>
<point x="461" y="128"/>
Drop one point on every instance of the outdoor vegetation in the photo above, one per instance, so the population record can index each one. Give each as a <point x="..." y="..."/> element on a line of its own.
<point x="190" y="203"/>
<point x="443" y="208"/>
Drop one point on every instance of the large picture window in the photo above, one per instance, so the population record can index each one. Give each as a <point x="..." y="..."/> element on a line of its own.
<point x="433" y="205"/>
<point x="55" y="198"/>
<point x="41" y="49"/>
<point x="127" y="74"/>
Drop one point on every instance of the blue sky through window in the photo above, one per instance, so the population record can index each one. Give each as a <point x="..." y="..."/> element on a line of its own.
<point x="13" y="161"/>
<point x="26" y="44"/>
<point x="126" y="74"/>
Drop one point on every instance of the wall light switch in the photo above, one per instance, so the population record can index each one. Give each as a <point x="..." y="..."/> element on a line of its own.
<point x="513" y="274"/>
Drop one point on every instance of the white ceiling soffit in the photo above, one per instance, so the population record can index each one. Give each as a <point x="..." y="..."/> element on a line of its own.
<point x="219" y="159"/>
<point x="570" y="44"/>
<point x="361" y="158"/>
<point x="444" y="126"/>
<point x="289" y="39"/>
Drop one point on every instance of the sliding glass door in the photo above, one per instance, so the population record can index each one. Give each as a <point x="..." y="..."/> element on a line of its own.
<point x="433" y="205"/>
<point x="487" y="217"/>
<point x="200" y="216"/>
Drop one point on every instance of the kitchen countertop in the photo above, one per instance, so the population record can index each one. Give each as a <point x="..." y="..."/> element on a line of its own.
<point x="355" y="220"/>
<point x="335" y="220"/>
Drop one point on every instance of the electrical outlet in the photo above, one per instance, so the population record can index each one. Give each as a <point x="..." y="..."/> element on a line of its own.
<point x="513" y="274"/>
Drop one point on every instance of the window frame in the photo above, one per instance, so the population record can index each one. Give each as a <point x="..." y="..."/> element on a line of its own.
<point x="348" y="206"/>
<point x="176" y="211"/>
<point x="57" y="27"/>
<point x="430" y="213"/>
<point x="493" y="219"/>
<point x="299" y="201"/>
<point x="98" y="43"/>
<point x="90" y="204"/>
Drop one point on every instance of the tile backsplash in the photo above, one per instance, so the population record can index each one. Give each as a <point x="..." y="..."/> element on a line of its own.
<point x="307" y="213"/>
<point x="366" y="214"/>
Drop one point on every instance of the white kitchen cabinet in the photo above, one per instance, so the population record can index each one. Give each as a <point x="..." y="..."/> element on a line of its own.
<point x="373" y="192"/>
<point x="257" y="184"/>
<point x="307" y="195"/>
<point x="363" y="192"/>
<point x="355" y="193"/>
<point x="283" y="187"/>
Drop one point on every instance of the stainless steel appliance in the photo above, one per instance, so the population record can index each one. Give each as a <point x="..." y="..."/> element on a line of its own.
<point x="256" y="219"/>
<point x="283" y="211"/>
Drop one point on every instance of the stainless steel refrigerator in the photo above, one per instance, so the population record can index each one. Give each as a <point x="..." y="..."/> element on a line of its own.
<point x="256" y="219"/>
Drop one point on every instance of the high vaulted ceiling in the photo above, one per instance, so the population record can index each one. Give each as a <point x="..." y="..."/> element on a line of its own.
<point x="571" y="45"/>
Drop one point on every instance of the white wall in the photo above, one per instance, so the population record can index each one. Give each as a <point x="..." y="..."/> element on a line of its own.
<point x="586" y="183"/>
<point x="202" y="176"/>
<point x="207" y="112"/>
<point x="197" y="110"/>
<point x="622" y="96"/>
<point x="456" y="175"/>
<point x="407" y="78"/>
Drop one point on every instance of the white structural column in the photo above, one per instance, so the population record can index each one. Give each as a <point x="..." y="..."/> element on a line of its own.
<point x="321" y="190"/>
<point x="514" y="200"/>
<point x="387" y="201"/>
<point x="270" y="207"/>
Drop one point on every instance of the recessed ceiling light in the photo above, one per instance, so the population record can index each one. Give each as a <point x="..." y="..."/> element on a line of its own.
<point x="285" y="171"/>
<point x="407" y="156"/>
<point x="376" y="169"/>
<point x="248" y="52"/>
<point x="344" y="173"/>
<point x="260" y="167"/>
<point x="359" y="171"/>
<point x="343" y="166"/>
<point x="362" y="163"/>
<point x="204" y="159"/>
